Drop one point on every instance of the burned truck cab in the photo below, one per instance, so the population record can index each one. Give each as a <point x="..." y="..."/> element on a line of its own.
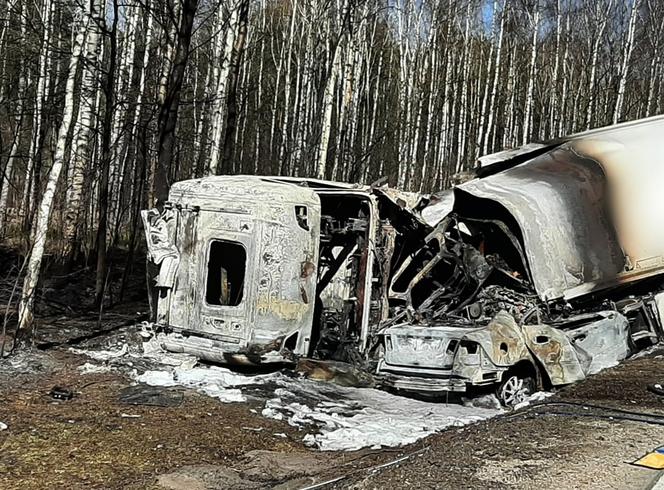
<point x="243" y="266"/>
<point x="266" y="269"/>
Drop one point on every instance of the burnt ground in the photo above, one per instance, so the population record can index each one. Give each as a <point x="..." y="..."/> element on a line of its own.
<point x="96" y="441"/>
<point x="530" y="449"/>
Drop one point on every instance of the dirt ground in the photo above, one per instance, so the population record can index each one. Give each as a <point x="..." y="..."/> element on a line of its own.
<point x="530" y="450"/>
<point x="95" y="440"/>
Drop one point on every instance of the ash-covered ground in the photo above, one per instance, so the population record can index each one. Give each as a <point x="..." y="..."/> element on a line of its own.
<point x="143" y="418"/>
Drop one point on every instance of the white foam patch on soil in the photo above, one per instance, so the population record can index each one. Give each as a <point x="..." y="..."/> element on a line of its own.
<point x="213" y="381"/>
<point x="152" y="350"/>
<point x="336" y="417"/>
<point x="171" y="369"/>
<point x="102" y="355"/>
<point x="343" y="418"/>
<point x="538" y="396"/>
<point x="89" y="368"/>
<point x="353" y="418"/>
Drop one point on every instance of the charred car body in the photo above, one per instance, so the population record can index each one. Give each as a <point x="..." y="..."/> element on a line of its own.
<point x="544" y="268"/>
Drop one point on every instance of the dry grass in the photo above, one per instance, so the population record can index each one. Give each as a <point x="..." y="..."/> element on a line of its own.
<point x="85" y="443"/>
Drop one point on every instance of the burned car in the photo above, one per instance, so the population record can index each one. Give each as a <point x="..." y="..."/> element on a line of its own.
<point x="543" y="268"/>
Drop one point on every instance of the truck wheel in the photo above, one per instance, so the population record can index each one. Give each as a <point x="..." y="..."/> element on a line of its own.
<point x="515" y="388"/>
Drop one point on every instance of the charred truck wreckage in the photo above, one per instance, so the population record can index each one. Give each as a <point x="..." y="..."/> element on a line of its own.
<point x="545" y="267"/>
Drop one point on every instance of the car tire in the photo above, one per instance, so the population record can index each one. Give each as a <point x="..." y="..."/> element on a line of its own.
<point x="515" y="388"/>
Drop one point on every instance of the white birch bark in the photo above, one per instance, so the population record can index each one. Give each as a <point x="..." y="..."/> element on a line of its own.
<point x="481" y="131"/>
<point x="7" y="172"/>
<point x="419" y="115"/>
<point x="443" y="143"/>
<point x="304" y="107"/>
<point x="655" y="65"/>
<point x="554" y="96"/>
<point x="527" y="118"/>
<point x="80" y="154"/>
<point x="494" y="83"/>
<point x="509" y="134"/>
<point x="42" y="89"/>
<point x="563" y="93"/>
<point x="406" y="59"/>
<point x="141" y="89"/>
<point x="461" y="128"/>
<point x="344" y="103"/>
<point x="239" y="142"/>
<point x="283" y="164"/>
<point x="603" y="19"/>
<point x="6" y="180"/>
<point x="6" y="12"/>
<point x="119" y="143"/>
<point x="275" y="104"/>
<point x="259" y="93"/>
<point x="167" y="59"/>
<point x="328" y="104"/>
<point x="199" y="144"/>
<point x="356" y="118"/>
<point x="295" y="154"/>
<point x="656" y="38"/>
<point x="433" y="92"/>
<point x="222" y="71"/>
<point x="624" y="69"/>
<point x="41" y="224"/>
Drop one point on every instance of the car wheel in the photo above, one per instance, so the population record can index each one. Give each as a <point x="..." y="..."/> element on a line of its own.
<point x="515" y="388"/>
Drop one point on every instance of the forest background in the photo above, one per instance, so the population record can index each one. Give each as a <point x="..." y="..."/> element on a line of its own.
<point x="104" y="103"/>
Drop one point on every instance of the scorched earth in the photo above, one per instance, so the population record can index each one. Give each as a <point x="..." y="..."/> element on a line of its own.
<point x="143" y="418"/>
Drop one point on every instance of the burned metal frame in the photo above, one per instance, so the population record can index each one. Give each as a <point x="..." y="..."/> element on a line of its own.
<point x="564" y="210"/>
<point x="524" y="270"/>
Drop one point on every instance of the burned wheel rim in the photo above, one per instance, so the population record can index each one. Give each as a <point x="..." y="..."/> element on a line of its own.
<point x="515" y="389"/>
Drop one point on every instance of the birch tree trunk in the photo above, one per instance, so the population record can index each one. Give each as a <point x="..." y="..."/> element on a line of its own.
<point x="624" y="69"/>
<point x="554" y="97"/>
<point x="328" y="104"/>
<point x="563" y="93"/>
<point x="433" y="90"/>
<point x="119" y="136"/>
<point x="461" y="129"/>
<point x="108" y="87"/>
<point x="235" y="60"/>
<point x="40" y="226"/>
<point x="603" y="16"/>
<point x="283" y="165"/>
<point x="656" y="38"/>
<point x="34" y="154"/>
<point x="481" y="133"/>
<point x="219" y="105"/>
<point x="137" y="111"/>
<point x="6" y="180"/>
<point x="509" y="134"/>
<point x="80" y="154"/>
<point x="494" y="83"/>
<point x="527" y="118"/>
<point x="168" y="112"/>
